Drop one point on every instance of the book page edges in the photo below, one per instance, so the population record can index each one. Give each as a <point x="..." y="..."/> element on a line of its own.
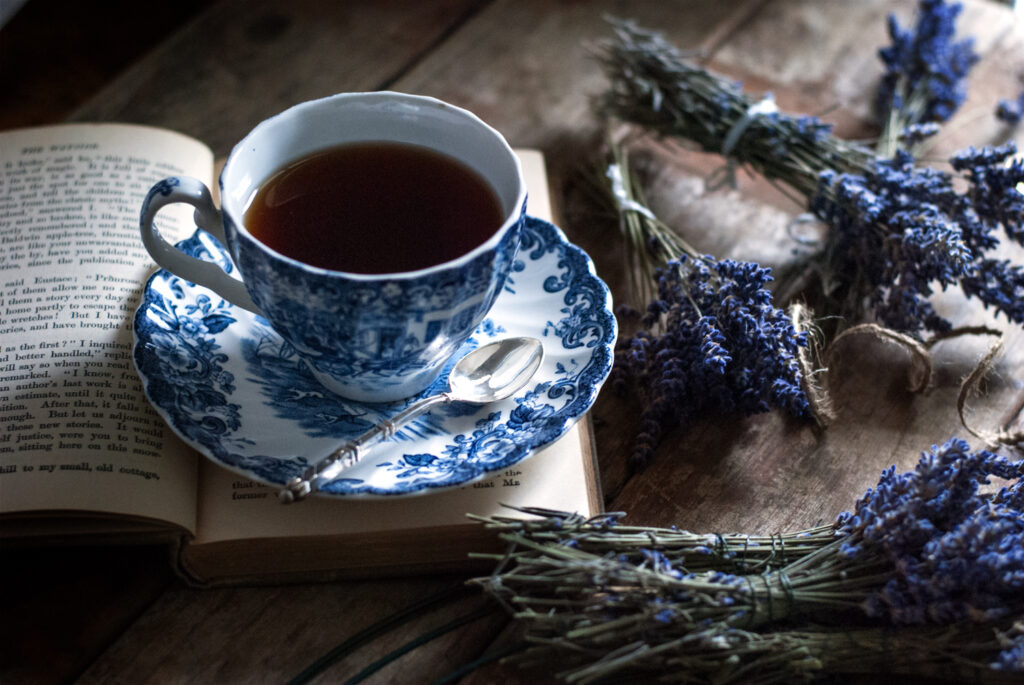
<point x="395" y="537"/>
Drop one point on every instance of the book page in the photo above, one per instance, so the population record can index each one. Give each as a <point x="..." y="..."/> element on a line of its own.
<point x="232" y="507"/>
<point x="78" y="433"/>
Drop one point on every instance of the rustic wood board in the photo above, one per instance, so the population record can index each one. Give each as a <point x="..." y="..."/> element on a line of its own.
<point x="243" y="61"/>
<point x="526" y="68"/>
<point x="65" y="605"/>
<point x="270" y="634"/>
<point x="765" y="472"/>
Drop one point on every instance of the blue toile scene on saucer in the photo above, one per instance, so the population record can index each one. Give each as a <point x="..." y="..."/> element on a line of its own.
<point x="234" y="390"/>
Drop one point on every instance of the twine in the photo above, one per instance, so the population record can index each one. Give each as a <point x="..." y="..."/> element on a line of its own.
<point x="782" y="549"/>
<point x="971" y="385"/>
<point x="766" y="107"/>
<point x="622" y="199"/>
<point x="962" y="330"/>
<point x="722" y="547"/>
<point x="817" y="396"/>
<point x="799" y="219"/>
<point x="919" y="376"/>
<point x="768" y="597"/>
<point x="920" y="373"/>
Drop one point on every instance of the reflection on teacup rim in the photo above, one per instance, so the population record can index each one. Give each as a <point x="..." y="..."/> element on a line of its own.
<point x="238" y="184"/>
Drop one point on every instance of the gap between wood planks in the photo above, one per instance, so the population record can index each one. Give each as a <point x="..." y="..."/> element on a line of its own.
<point x="746" y="11"/>
<point x="461" y="20"/>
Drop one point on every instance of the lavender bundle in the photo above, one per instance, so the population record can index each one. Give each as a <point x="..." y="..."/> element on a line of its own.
<point x="925" y="78"/>
<point x="896" y="232"/>
<point x="711" y="339"/>
<point x="925" y="561"/>
<point x="713" y="343"/>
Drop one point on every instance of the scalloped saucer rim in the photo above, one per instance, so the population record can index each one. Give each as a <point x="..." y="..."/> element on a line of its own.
<point x="207" y="366"/>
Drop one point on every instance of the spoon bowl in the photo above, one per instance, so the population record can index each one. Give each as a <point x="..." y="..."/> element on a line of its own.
<point x="495" y="371"/>
<point x="491" y="373"/>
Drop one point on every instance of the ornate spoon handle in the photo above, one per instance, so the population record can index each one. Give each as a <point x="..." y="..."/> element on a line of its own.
<point x="327" y="469"/>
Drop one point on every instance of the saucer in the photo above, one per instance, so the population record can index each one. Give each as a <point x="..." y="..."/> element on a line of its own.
<point x="235" y="391"/>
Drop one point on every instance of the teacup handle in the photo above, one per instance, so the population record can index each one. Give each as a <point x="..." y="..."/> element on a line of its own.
<point x="207" y="274"/>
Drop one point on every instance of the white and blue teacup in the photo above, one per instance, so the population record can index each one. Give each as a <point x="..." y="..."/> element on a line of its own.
<point x="371" y="338"/>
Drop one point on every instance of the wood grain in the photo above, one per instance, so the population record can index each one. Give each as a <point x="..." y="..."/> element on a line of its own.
<point x="63" y="605"/>
<point x="729" y="474"/>
<point x="269" y="635"/>
<point x="243" y="61"/>
<point x="527" y="68"/>
<point x="43" y="76"/>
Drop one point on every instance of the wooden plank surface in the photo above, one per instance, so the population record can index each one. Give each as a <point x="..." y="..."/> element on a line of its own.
<point x="525" y="66"/>
<point x="765" y="472"/>
<point x="242" y="61"/>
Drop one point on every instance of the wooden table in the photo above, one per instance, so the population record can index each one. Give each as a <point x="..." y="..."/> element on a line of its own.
<point x="118" y="615"/>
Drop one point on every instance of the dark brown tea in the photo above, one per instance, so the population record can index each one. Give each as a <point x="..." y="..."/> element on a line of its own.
<point x="375" y="207"/>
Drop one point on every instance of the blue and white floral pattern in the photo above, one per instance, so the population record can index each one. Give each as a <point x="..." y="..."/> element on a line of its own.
<point x="375" y="337"/>
<point x="237" y="392"/>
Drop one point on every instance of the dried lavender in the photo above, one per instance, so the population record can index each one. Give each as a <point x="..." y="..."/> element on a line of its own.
<point x="655" y="87"/>
<point x="725" y="656"/>
<point x="925" y="78"/>
<point x="606" y="534"/>
<point x="711" y="339"/>
<point x="896" y="231"/>
<point x="650" y="243"/>
<point x="712" y="343"/>
<point x="1011" y="111"/>
<point x="915" y="134"/>
<point x="994" y="199"/>
<point x="899" y="232"/>
<point x="925" y="560"/>
<point x="958" y="554"/>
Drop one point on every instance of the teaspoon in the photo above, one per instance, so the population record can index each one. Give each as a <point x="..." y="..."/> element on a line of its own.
<point x="488" y="374"/>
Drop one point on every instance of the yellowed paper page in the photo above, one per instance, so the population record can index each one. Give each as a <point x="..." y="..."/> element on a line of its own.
<point x="235" y="508"/>
<point x="78" y="434"/>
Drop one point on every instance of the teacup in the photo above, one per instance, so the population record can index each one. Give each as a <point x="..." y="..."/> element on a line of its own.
<point x="370" y="337"/>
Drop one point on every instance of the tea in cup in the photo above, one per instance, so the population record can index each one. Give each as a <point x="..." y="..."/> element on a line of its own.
<point x="373" y="232"/>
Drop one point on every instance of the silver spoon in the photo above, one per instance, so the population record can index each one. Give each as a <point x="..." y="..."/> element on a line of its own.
<point x="488" y="374"/>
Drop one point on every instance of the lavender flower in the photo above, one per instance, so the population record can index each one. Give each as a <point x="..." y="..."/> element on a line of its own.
<point x="928" y="565"/>
<point x="713" y="343"/>
<point x="955" y="554"/>
<point x="892" y="239"/>
<point x="1011" y="658"/>
<point x="898" y="232"/>
<point x="1011" y="111"/>
<point x="915" y="134"/>
<point x="993" y="200"/>
<point x="993" y="195"/>
<point x="902" y="230"/>
<point x="925" y="70"/>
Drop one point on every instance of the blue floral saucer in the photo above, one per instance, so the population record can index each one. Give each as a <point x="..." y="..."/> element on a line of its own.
<point x="235" y="391"/>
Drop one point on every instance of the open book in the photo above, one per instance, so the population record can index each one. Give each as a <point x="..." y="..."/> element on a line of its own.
<point x="84" y="457"/>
